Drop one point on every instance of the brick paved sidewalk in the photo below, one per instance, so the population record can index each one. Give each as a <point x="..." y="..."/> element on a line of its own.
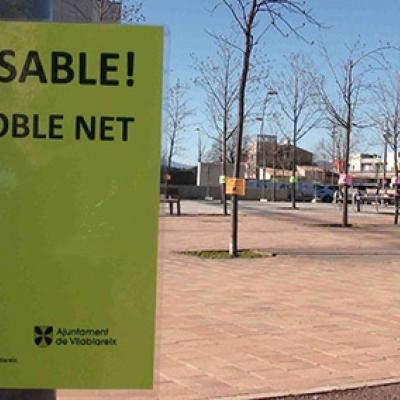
<point x="290" y="323"/>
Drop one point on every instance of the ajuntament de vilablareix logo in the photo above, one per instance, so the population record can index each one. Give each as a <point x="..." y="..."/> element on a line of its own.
<point x="46" y="336"/>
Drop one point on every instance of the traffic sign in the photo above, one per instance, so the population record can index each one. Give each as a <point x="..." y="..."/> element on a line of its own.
<point x="235" y="186"/>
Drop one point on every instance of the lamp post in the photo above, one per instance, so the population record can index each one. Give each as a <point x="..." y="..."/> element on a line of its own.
<point x="392" y="140"/>
<point x="198" y="145"/>
<point x="333" y="155"/>
<point x="384" y="165"/>
<point x="261" y="145"/>
<point x="274" y="169"/>
<point x="388" y="139"/>
<point x="270" y="93"/>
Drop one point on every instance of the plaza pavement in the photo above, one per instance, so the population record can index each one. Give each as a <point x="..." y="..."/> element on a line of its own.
<point x="323" y="313"/>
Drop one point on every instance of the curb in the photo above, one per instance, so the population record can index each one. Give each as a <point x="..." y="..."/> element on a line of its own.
<point x="323" y="390"/>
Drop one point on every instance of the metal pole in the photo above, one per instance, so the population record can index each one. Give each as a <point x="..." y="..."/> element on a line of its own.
<point x="27" y="10"/>
<point x="198" y="145"/>
<point x="333" y="156"/>
<point x="384" y="165"/>
<point x="270" y="92"/>
<point x="274" y="167"/>
<point x="263" y="162"/>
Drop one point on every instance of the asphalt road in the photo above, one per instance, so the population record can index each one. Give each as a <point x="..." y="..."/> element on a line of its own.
<point x="193" y="207"/>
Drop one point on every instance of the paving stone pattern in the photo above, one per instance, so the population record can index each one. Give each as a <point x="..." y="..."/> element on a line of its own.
<point x="285" y="324"/>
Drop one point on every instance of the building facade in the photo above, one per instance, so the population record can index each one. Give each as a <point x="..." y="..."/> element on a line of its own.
<point x="265" y="153"/>
<point x="208" y="173"/>
<point x="63" y="10"/>
<point x="26" y="10"/>
<point x="87" y="10"/>
<point x="391" y="162"/>
<point x="366" y="163"/>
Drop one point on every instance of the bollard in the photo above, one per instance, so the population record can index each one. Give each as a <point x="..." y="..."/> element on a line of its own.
<point x="358" y="200"/>
<point x="26" y="10"/>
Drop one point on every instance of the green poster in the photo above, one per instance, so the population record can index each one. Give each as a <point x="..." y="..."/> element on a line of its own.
<point x="80" y="118"/>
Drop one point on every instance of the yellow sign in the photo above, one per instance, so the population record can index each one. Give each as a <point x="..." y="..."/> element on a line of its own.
<point x="235" y="186"/>
<point x="80" y="117"/>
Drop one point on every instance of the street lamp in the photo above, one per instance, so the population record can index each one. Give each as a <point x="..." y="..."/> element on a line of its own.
<point x="270" y="93"/>
<point x="198" y="145"/>
<point x="388" y="139"/>
<point x="333" y="135"/>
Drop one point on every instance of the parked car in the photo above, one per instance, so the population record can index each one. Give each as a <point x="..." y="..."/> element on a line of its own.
<point x="355" y="190"/>
<point x="304" y="191"/>
<point x="324" y="193"/>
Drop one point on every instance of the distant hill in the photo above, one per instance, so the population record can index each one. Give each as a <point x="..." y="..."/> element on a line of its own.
<point x="179" y="165"/>
<point x="324" y="164"/>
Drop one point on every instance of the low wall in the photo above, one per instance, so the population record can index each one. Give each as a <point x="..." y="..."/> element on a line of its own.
<point x="201" y="192"/>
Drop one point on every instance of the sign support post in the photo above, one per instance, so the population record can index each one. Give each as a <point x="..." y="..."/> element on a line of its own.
<point x="27" y="10"/>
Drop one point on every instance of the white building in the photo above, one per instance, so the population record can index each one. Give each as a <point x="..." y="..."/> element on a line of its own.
<point x="365" y="163"/>
<point x="208" y="173"/>
<point x="390" y="161"/>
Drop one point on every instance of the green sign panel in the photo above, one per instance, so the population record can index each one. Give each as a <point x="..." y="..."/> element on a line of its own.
<point x="80" y="119"/>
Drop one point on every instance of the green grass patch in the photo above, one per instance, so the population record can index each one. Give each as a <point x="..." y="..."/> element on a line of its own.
<point x="224" y="254"/>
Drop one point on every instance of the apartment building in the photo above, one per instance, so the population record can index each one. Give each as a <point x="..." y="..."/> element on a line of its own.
<point x="390" y="161"/>
<point x="366" y="163"/>
<point x="265" y="152"/>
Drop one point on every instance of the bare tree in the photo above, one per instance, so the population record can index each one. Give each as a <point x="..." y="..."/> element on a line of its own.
<point x="387" y="116"/>
<point x="132" y="12"/>
<point x="283" y="15"/>
<point x="201" y="146"/>
<point x="345" y="109"/>
<point x="129" y="11"/>
<point x="296" y="97"/>
<point x="332" y="147"/>
<point x="214" y="151"/>
<point x="219" y="78"/>
<point x="178" y="113"/>
<point x="107" y="10"/>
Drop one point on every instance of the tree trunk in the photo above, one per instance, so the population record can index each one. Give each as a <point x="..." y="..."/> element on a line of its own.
<point x="274" y="173"/>
<point x="169" y="164"/>
<point x="384" y="166"/>
<point x="233" y="250"/>
<point x="349" y="123"/>
<point x="27" y="10"/>
<point x="345" y="216"/>
<point x="294" y="172"/>
<point x="396" y="172"/>
<point x="223" y="168"/>
<point x="223" y="185"/>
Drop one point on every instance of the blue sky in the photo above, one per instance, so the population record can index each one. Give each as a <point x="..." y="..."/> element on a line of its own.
<point x="186" y="22"/>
